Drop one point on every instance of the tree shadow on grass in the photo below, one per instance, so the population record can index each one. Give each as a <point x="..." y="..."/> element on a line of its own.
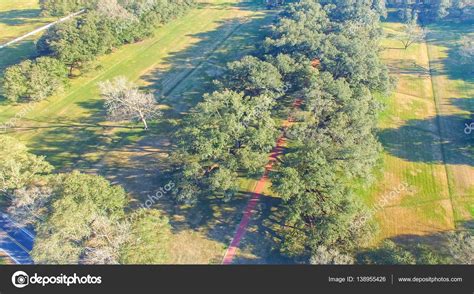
<point x="435" y="242"/>
<point x="139" y="160"/>
<point x="262" y="238"/>
<point x="19" y="16"/>
<point x="187" y="74"/>
<point x="218" y="219"/>
<point x="392" y="16"/>
<point x="419" y="141"/>
<point x="466" y="104"/>
<point x="408" y="67"/>
<point x="448" y="34"/>
<point x="16" y="53"/>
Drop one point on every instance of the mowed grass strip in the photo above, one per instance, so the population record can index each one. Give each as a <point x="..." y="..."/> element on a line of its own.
<point x="410" y="185"/>
<point x="453" y="87"/>
<point x="421" y="159"/>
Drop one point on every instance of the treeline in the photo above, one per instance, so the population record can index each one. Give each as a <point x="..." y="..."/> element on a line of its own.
<point x="78" y="218"/>
<point x="73" y="44"/>
<point x="334" y="146"/>
<point x="458" y="10"/>
<point x="326" y="54"/>
<point x="63" y="7"/>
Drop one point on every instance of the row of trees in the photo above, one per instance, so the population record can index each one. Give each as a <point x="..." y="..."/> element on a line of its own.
<point x="78" y="41"/>
<point x="78" y="218"/>
<point x="459" y="10"/>
<point x="63" y="7"/>
<point x="334" y="144"/>
<point x="454" y="9"/>
<point x="327" y="55"/>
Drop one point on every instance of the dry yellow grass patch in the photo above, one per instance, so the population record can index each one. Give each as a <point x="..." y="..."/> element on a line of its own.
<point x="190" y="247"/>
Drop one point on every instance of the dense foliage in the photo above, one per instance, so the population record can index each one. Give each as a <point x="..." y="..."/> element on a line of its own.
<point x="78" y="218"/>
<point x="149" y="238"/>
<point x="78" y="200"/>
<point x="456" y="10"/>
<point x="231" y="130"/>
<point x="63" y="7"/>
<point x="18" y="167"/>
<point x="34" y="80"/>
<point x="327" y="55"/>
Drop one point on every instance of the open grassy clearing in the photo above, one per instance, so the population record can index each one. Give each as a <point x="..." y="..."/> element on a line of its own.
<point x="428" y="167"/>
<point x="179" y="63"/>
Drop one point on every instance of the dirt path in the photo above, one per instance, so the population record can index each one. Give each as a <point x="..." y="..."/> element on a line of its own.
<point x="257" y="192"/>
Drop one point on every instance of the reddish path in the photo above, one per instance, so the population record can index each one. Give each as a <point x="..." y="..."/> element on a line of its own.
<point x="257" y="192"/>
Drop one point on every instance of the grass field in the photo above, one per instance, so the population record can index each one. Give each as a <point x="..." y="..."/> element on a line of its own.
<point x="16" y="19"/>
<point x="20" y="17"/>
<point x="428" y="160"/>
<point x="178" y="63"/>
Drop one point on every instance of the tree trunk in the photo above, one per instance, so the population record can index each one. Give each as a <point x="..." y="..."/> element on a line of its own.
<point x="142" y="118"/>
<point x="145" y="125"/>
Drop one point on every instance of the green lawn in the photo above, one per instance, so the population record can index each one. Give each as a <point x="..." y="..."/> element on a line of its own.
<point x="421" y="131"/>
<point x="20" y="17"/>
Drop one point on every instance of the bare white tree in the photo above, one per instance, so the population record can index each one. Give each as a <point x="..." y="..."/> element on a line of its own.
<point x="461" y="245"/>
<point x="29" y="205"/>
<point x="124" y="101"/>
<point x="113" y="10"/>
<point x="466" y="50"/>
<point x="106" y="240"/>
<point x="324" y="255"/>
<point x="413" y="33"/>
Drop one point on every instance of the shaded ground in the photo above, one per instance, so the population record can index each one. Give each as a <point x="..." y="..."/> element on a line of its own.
<point x="20" y="17"/>
<point x="419" y="140"/>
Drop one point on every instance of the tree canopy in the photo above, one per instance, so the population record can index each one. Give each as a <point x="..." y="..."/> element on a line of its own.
<point x="18" y="167"/>
<point x="34" y="80"/>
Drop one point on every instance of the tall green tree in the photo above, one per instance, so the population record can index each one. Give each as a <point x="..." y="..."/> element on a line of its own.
<point x="314" y="178"/>
<point x="253" y="76"/>
<point x="79" y="200"/>
<point x="300" y="31"/>
<point x="78" y="41"/>
<point x="18" y="167"/>
<point x="226" y="132"/>
<point x="34" y="80"/>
